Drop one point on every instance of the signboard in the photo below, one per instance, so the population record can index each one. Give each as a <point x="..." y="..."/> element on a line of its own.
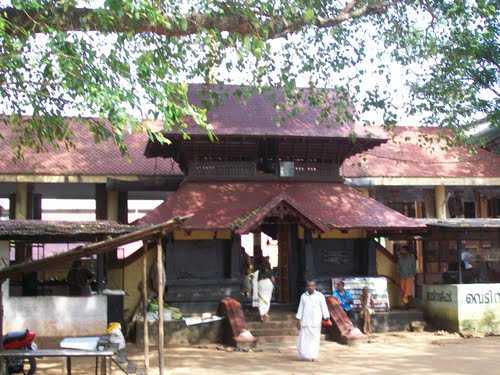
<point x="377" y="286"/>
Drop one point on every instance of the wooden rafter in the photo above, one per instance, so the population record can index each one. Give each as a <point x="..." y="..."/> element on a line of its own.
<point x="93" y="248"/>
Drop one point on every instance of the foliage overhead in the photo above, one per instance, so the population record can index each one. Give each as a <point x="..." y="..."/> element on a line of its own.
<point x="126" y="60"/>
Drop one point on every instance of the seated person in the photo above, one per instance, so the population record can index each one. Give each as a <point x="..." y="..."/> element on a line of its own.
<point x="345" y="298"/>
<point x="367" y="305"/>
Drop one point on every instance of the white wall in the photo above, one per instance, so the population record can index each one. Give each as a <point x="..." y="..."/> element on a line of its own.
<point x="464" y="307"/>
<point x="56" y="316"/>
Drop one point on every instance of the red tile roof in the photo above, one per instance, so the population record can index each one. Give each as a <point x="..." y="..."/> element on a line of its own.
<point x="257" y="116"/>
<point x="88" y="158"/>
<point x="418" y="152"/>
<point x="236" y="206"/>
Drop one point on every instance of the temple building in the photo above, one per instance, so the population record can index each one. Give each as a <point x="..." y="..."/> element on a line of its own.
<point x="283" y="181"/>
<point x="336" y="200"/>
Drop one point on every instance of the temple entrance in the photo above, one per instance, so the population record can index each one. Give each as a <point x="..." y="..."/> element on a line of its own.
<point x="281" y="248"/>
<point x="281" y="221"/>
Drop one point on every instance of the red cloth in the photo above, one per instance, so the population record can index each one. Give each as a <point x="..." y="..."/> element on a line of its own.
<point x="234" y="312"/>
<point x="339" y="316"/>
<point x="406" y="286"/>
<point x="327" y="323"/>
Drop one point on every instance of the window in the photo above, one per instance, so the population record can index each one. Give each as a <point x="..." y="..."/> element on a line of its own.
<point x="287" y="168"/>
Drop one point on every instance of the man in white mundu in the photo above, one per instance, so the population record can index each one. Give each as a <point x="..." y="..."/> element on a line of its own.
<point x="312" y="310"/>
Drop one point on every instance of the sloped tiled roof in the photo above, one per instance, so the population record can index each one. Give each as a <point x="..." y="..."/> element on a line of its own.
<point x="42" y="229"/>
<point x="87" y="158"/>
<point x="235" y="205"/>
<point x="258" y="116"/>
<point x="419" y="152"/>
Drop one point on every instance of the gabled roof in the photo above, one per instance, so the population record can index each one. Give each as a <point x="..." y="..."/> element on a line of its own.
<point x="87" y="158"/>
<point x="418" y="152"/>
<point x="238" y="205"/>
<point x="258" y="116"/>
<point x="255" y="218"/>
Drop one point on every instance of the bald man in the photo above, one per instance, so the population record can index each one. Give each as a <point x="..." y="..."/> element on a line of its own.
<point x="312" y="309"/>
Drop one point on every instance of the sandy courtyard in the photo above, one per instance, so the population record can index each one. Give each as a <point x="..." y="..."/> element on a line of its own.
<point x="388" y="354"/>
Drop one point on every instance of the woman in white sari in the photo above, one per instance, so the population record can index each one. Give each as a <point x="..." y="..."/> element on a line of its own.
<point x="263" y="285"/>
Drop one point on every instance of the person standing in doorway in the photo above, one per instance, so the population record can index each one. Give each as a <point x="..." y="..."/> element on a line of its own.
<point x="407" y="269"/>
<point x="263" y="289"/>
<point x="345" y="299"/>
<point x="312" y="310"/>
<point x="246" y="272"/>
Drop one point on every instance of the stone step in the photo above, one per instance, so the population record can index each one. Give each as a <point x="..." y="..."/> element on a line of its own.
<point x="273" y="316"/>
<point x="271" y="324"/>
<point x="275" y="332"/>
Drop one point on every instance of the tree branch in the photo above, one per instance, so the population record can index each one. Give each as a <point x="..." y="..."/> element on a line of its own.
<point x="85" y="19"/>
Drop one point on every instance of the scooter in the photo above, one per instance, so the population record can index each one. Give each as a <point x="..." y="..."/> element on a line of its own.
<point x="20" y="340"/>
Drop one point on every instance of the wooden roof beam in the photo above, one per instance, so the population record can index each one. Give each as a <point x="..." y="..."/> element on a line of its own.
<point x="94" y="248"/>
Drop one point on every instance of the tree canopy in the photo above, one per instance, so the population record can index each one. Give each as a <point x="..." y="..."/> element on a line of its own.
<point x="128" y="60"/>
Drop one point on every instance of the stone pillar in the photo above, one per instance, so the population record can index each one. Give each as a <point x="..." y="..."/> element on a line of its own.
<point x="429" y="203"/>
<point x="440" y="199"/>
<point x="25" y="207"/>
<point x="21" y="201"/>
<point x="122" y="208"/>
<point x="484" y="207"/>
<point x="101" y="205"/>
<point x="112" y="205"/>
<point x="481" y="205"/>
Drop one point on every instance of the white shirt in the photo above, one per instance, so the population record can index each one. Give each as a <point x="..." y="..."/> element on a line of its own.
<point x="312" y="309"/>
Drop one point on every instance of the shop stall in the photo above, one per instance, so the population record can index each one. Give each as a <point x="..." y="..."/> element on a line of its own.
<point x="461" y="289"/>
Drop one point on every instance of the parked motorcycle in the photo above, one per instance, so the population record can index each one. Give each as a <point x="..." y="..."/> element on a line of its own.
<point x="20" y="340"/>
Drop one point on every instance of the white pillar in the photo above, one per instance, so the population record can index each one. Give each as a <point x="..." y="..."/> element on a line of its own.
<point x="112" y="202"/>
<point x="21" y="200"/>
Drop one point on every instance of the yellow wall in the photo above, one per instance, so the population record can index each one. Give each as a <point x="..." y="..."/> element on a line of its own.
<point x="133" y="276"/>
<point x="202" y="235"/>
<point x="387" y="267"/>
<point x="349" y="234"/>
<point x="133" y="270"/>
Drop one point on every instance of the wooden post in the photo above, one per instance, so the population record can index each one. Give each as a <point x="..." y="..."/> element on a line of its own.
<point x="145" y="306"/>
<point x="161" y="289"/>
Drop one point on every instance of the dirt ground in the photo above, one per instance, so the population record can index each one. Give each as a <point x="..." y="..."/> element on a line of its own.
<point x="387" y="354"/>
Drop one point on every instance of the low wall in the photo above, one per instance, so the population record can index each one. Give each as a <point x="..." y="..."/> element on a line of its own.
<point x="463" y="307"/>
<point x="56" y="316"/>
<point x="440" y="304"/>
<point x="177" y="333"/>
<point x="479" y="307"/>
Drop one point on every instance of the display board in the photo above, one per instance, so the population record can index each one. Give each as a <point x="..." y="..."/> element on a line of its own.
<point x="376" y="285"/>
